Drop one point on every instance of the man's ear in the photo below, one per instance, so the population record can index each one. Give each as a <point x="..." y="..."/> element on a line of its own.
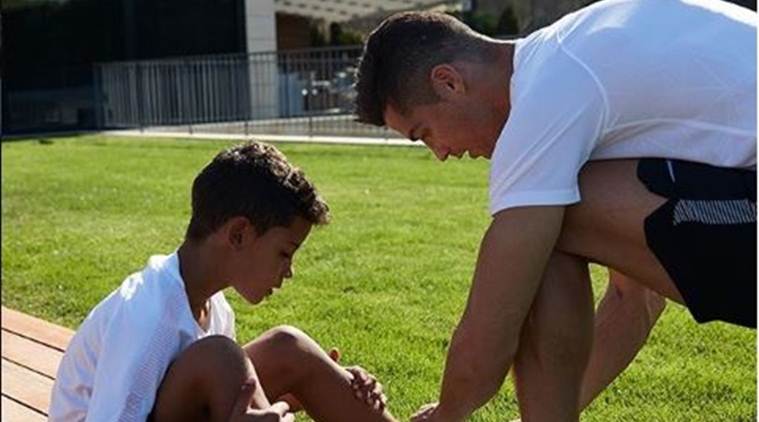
<point x="447" y="81"/>
<point x="239" y="232"/>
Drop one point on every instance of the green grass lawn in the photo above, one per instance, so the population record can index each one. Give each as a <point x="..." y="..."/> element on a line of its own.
<point x="385" y="282"/>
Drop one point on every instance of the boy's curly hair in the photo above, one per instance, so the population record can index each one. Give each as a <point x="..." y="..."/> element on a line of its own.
<point x="256" y="181"/>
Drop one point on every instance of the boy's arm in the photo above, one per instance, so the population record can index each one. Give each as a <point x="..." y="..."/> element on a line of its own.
<point x="131" y="364"/>
<point x="512" y="258"/>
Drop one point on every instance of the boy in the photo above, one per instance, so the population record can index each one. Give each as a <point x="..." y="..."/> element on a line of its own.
<point x="161" y="347"/>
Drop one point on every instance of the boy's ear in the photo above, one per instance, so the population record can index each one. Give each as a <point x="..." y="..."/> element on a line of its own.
<point x="239" y="232"/>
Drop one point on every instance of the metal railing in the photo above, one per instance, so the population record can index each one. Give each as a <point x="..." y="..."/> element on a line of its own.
<point x="298" y="92"/>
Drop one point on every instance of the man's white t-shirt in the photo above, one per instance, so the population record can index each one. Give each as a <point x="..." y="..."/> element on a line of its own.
<point x="115" y="362"/>
<point x="626" y="79"/>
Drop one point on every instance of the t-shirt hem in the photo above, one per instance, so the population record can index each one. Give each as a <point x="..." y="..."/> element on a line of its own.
<point x="545" y="198"/>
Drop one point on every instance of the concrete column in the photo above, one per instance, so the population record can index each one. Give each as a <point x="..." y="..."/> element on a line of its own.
<point x="261" y="36"/>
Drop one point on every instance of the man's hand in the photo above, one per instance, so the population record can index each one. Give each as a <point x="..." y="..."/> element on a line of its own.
<point x="277" y="412"/>
<point x="425" y="413"/>
<point x="432" y="413"/>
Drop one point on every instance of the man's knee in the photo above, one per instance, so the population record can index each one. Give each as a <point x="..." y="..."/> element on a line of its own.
<point x="635" y="297"/>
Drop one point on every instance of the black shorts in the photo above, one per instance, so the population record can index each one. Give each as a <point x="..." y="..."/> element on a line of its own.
<point x="705" y="236"/>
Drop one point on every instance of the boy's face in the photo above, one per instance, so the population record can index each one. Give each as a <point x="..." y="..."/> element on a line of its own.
<point x="262" y="262"/>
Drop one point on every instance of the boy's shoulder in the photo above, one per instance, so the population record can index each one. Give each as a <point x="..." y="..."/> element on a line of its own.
<point x="161" y="273"/>
<point x="146" y="294"/>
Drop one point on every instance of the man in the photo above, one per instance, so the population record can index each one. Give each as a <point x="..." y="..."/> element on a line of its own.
<point x="655" y="101"/>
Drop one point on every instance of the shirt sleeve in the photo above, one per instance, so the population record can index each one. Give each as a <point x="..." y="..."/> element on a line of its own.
<point x="555" y="120"/>
<point x="136" y="350"/>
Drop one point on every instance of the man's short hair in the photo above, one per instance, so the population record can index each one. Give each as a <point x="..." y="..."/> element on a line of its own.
<point x="256" y="181"/>
<point x="399" y="55"/>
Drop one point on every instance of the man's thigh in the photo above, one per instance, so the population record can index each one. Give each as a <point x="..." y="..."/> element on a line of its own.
<point x="685" y="230"/>
<point x="606" y="226"/>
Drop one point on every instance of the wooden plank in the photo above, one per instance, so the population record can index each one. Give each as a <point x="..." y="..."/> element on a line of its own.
<point x="40" y="330"/>
<point x="33" y="355"/>
<point x="15" y="412"/>
<point x="25" y="386"/>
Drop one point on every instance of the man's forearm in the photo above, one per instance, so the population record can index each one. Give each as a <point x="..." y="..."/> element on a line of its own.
<point x="512" y="259"/>
<point x="471" y="380"/>
<point x="623" y="321"/>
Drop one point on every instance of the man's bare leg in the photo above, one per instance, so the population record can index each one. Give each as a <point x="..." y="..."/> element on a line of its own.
<point x="624" y="318"/>
<point x="289" y="362"/>
<point x="606" y="227"/>
<point x="555" y="343"/>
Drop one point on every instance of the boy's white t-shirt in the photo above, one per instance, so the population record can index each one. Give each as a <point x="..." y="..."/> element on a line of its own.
<point x="115" y="362"/>
<point x="626" y="79"/>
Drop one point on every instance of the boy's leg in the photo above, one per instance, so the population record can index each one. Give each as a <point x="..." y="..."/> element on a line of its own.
<point x="289" y="362"/>
<point x="555" y="343"/>
<point x="204" y="383"/>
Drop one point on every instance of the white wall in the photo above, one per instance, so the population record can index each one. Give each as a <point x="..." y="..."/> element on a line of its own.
<point x="261" y="36"/>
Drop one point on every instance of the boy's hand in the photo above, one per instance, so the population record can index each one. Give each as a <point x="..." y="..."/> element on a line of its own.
<point x="277" y="412"/>
<point x="365" y="385"/>
<point x="367" y="389"/>
<point x="295" y="405"/>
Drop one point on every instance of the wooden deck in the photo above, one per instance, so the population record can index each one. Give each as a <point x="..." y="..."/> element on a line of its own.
<point x="31" y="351"/>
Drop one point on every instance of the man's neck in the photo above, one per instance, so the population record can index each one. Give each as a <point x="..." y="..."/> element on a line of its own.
<point x="199" y="275"/>
<point x="505" y="70"/>
<point x="495" y="90"/>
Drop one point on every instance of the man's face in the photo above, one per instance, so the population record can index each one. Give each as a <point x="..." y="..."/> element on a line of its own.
<point x="447" y="128"/>
<point x="462" y="122"/>
<point x="265" y="261"/>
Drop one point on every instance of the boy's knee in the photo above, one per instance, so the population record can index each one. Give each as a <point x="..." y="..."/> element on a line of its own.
<point x="288" y="339"/>
<point x="291" y="350"/>
<point x="206" y="373"/>
<point x="218" y="359"/>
